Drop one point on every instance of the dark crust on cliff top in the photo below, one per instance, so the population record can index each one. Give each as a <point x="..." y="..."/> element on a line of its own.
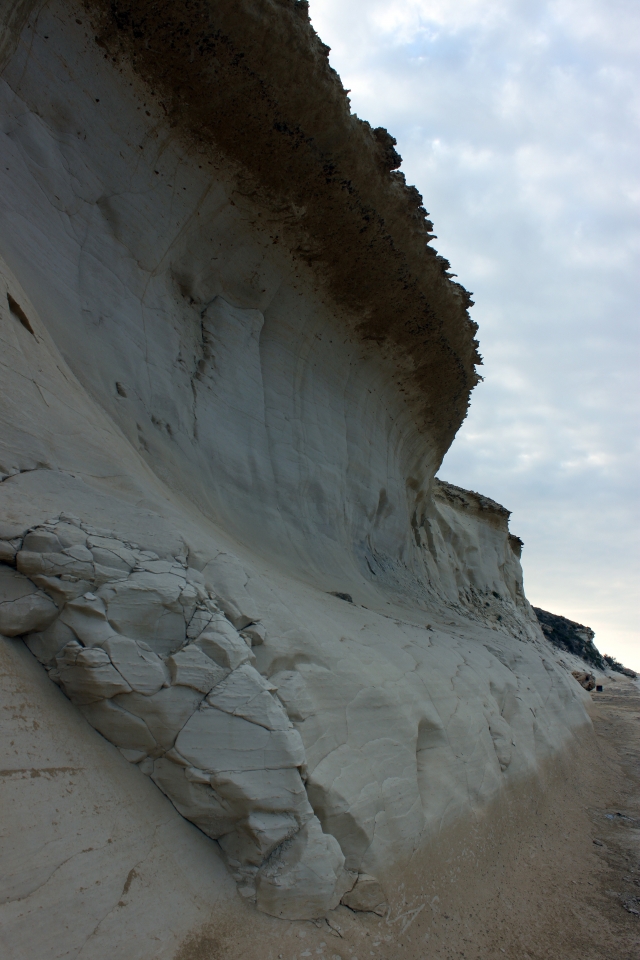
<point x="570" y="636"/>
<point x="251" y="78"/>
<point x="460" y="497"/>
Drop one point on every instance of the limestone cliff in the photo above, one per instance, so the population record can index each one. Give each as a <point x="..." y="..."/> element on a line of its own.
<point x="232" y="365"/>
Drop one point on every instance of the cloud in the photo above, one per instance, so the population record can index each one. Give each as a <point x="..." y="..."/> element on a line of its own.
<point x="518" y="121"/>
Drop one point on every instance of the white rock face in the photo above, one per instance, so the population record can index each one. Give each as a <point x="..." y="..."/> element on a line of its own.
<point x="230" y="761"/>
<point x="219" y="529"/>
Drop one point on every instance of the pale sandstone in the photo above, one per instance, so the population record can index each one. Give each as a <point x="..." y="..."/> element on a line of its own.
<point x="230" y="550"/>
<point x="190" y="667"/>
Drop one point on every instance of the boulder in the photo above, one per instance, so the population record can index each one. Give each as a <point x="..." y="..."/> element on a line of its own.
<point x="586" y="680"/>
<point x="366" y="895"/>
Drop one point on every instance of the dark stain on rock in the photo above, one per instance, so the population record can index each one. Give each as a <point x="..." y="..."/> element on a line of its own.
<point x="250" y="80"/>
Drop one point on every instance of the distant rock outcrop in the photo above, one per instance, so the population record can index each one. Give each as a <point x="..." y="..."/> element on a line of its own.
<point x="577" y="639"/>
<point x="570" y="636"/>
<point x="617" y="667"/>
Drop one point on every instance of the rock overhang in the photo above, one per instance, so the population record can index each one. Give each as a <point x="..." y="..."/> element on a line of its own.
<point x="251" y="82"/>
<point x="445" y="624"/>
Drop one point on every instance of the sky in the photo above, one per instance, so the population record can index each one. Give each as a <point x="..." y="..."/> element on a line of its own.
<point x="518" y="122"/>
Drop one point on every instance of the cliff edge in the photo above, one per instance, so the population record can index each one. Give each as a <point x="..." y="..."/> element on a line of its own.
<point x="287" y="662"/>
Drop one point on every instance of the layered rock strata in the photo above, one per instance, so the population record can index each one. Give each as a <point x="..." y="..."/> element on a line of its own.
<point x="231" y="368"/>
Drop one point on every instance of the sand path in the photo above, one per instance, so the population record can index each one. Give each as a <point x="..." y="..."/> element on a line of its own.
<point x="558" y="878"/>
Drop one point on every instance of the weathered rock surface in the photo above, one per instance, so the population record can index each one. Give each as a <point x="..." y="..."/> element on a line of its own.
<point x="585" y="679"/>
<point x="231" y="760"/>
<point x="366" y="895"/>
<point x="220" y="532"/>
<point x="570" y="636"/>
<point x="23" y="607"/>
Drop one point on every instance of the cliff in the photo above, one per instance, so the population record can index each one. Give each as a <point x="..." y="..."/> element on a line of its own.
<point x="232" y="365"/>
<point x="568" y="635"/>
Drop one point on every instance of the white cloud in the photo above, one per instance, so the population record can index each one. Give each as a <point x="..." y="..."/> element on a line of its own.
<point x="518" y="121"/>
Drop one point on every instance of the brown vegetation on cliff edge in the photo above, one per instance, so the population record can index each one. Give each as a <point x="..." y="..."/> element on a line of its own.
<point x="251" y="79"/>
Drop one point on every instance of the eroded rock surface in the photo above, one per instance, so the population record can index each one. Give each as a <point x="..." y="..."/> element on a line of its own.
<point x="307" y="778"/>
<point x="225" y="398"/>
<point x="568" y="635"/>
<point x="180" y="698"/>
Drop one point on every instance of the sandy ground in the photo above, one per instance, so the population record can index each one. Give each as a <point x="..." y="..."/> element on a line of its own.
<point x="553" y="873"/>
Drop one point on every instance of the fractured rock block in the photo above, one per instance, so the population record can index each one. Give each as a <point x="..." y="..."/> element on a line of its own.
<point x="8" y="550"/>
<point x="69" y="534"/>
<point x="23" y="608"/>
<point x="224" y="644"/>
<point x="61" y="591"/>
<point x="195" y="801"/>
<point x="87" y="674"/>
<point x="146" y="607"/>
<point x="111" y="553"/>
<point x="48" y="644"/>
<point x="169" y="584"/>
<point x="189" y="599"/>
<point x="199" y="620"/>
<point x="42" y="540"/>
<point x="119" y="726"/>
<point x="271" y="791"/>
<point x="255" y="633"/>
<point x="137" y="663"/>
<point x="232" y="764"/>
<point x="103" y="575"/>
<point x="190" y="667"/>
<point x="86" y="616"/>
<point x="256" y="838"/>
<point x="80" y="552"/>
<point x="228" y="578"/>
<point x="304" y="877"/>
<point x="165" y="712"/>
<point x="55" y="564"/>
<point x="217" y="741"/>
<point x="367" y="895"/>
<point x="245" y="693"/>
<point x="348" y="799"/>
